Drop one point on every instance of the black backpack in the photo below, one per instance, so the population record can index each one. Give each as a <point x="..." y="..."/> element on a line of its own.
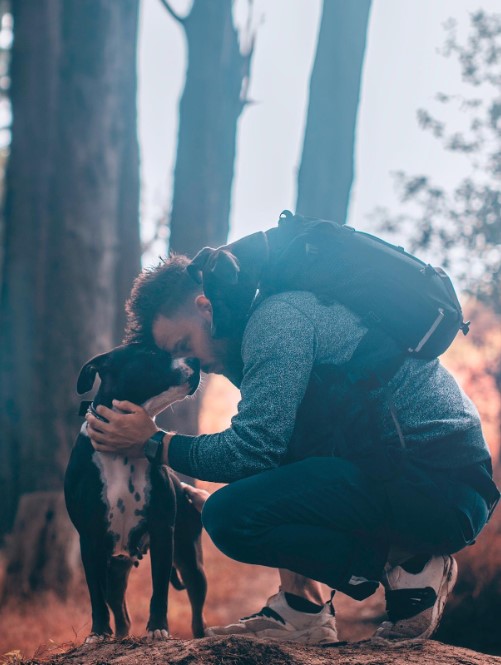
<point x="395" y="293"/>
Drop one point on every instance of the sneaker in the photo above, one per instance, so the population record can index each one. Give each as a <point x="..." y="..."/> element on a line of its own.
<point x="415" y="602"/>
<point x="278" y="621"/>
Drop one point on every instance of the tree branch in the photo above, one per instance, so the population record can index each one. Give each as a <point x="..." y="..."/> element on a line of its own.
<point x="175" y="15"/>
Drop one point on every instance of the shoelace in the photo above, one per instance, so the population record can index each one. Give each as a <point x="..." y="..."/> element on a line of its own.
<point x="406" y="603"/>
<point x="265" y="612"/>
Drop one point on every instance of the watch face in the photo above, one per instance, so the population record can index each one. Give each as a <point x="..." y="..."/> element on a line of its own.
<point x="153" y="449"/>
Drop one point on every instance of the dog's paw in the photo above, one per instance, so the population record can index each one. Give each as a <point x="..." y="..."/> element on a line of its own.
<point x="93" y="638"/>
<point x="159" y="635"/>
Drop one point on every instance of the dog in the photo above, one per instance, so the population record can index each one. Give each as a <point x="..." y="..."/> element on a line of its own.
<point x="121" y="507"/>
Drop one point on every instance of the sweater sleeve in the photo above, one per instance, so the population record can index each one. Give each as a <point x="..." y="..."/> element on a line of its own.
<point x="278" y="353"/>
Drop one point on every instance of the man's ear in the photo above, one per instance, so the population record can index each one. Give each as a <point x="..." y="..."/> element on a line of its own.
<point x="204" y="307"/>
<point x="88" y="373"/>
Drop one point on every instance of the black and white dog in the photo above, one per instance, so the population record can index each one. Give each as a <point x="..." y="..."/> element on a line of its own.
<point x="122" y="506"/>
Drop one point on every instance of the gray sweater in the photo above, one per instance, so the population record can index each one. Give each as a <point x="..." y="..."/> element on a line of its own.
<point x="287" y="336"/>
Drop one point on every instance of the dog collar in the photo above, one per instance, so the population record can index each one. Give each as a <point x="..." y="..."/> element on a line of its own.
<point x="87" y="406"/>
<point x="84" y="407"/>
<point x="92" y="409"/>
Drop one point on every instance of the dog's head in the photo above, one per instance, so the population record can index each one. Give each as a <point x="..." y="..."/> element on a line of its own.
<point x="140" y="374"/>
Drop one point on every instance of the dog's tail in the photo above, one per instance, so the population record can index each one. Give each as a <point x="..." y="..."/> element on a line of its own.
<point x="175" y="580"/>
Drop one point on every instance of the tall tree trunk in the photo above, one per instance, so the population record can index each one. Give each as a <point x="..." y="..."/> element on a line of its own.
<point x="34" y="76"/>
<point x="326" y="172"/>
<point x="212" y="101"/>
<point x="71" y="233"/>
<point x="217" y="78"/>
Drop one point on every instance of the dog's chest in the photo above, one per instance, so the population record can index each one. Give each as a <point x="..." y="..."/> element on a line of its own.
<point x="126" y="494"/>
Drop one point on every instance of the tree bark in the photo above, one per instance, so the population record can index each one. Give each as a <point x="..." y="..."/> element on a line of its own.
<point x="327" y="165"/>
<point x="212" y="101"/>
<point x="34" y="86"/>
<point x="71" y="226"/>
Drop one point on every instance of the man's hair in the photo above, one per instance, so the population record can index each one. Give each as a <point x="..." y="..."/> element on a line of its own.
<point x="161" y="289"/>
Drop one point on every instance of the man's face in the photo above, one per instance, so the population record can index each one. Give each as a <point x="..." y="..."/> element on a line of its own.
<point x="187" y="335"/>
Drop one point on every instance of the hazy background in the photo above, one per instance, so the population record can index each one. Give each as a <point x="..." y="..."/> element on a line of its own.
<point x="403" y="71"/>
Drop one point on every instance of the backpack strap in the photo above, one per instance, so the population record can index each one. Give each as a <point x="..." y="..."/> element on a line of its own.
<point x="375" y="361"/>
<point x="373" y="364"/>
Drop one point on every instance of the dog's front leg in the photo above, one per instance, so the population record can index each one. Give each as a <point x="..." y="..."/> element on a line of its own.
<point x="161" y="550"/>
<point x="118" y="575"/>
<point x="95" y="562"/>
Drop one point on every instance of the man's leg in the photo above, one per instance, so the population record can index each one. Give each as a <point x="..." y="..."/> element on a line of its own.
<point x="434" y="513"/>
<point x="294" y="586"/>
<point x="301" y="586"/>
<point x="322" y="518"/>
<point x="318" y="519"/>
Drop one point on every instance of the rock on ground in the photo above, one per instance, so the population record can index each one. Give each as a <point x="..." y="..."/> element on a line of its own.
<point x="248" y="651"/>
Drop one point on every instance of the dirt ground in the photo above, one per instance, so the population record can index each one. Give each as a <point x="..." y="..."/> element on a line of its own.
<point x="47" y="624"/>
<point x="248" y="651"/>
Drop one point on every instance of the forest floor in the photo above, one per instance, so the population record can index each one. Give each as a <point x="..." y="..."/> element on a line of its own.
<point x="47" y="625"/>
<point x="249" y="651"/>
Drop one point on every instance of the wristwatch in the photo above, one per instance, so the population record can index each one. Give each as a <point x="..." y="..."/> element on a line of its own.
<point x="153" y="448"/>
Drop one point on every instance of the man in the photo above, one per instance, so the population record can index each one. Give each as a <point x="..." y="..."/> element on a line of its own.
<point x="319" y="485"/>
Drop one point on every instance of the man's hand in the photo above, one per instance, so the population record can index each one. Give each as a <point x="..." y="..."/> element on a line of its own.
<point x="125" y="433"/>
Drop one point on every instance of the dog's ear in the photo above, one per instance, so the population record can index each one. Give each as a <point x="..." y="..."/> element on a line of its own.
<point x="88" y="373"/>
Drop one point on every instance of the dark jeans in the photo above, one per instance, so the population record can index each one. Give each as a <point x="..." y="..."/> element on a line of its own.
<point x="326" y="519"/>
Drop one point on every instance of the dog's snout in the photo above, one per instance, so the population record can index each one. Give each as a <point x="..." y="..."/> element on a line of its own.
<point x="190" y="372"/>
<point x="194" y="380"/>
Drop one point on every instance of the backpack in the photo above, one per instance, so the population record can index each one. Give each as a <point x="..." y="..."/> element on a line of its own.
<point x="396" y="294"/>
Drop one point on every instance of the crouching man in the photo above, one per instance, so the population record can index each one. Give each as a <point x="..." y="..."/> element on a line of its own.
<point x="328" y="482"/>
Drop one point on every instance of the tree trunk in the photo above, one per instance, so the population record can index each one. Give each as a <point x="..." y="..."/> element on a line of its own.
<point x="34" y="85"/>
<point x="71" y="228"/>
<point x="326" y="172"/>
<point x="214" y="96"/>
<point x="212" y="101"/>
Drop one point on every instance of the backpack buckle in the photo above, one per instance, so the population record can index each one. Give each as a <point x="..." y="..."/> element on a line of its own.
<point x="285" y="217"/>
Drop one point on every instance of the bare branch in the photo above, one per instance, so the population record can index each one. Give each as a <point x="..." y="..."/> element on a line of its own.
<point x="174" y="14"/>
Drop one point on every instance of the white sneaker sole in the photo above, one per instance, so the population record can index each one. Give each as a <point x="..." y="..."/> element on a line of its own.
<point x="448" y="583"/>
<point x="320" y="635"/>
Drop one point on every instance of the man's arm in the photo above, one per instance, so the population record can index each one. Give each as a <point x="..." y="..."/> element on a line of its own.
<point x="278" y="352"/>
